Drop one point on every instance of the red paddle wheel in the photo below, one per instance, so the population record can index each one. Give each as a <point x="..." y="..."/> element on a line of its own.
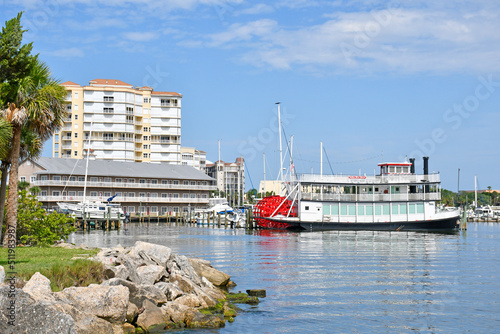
<point x="267" y="207"/>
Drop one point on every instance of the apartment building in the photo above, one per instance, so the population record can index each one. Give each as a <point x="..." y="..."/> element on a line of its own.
<point x="113" y="120"/>
<point x="147" y="188"/>
<point x="194" y="158"/>
<point x="230" y="178"/>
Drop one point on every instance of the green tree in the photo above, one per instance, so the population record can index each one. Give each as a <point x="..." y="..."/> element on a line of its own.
<point x="37" y="227"/>
<point x="34" y="101"/>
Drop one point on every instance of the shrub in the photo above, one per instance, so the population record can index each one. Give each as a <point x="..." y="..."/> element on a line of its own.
<point x="37" y="227"/>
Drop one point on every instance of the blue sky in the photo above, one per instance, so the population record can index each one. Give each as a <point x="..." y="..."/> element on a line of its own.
<point x="370" y="79"/>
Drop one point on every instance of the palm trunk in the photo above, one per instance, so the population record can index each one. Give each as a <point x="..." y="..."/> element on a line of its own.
<point x="3" y="191"/>
<point x="11" y="229"/>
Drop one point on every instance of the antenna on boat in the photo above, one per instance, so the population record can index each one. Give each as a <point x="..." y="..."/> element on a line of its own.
<point x="281" y="147"/>
<point x="321" y="160"/>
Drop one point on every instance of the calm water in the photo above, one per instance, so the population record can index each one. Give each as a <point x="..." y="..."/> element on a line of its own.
<point x="345" y="282"/>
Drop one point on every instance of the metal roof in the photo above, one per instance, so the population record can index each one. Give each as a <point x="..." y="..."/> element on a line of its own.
<point x="120" y="169"/>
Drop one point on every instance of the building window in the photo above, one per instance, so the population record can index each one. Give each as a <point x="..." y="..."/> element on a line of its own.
<point x="164" y="195"/>
<point x="185" y="195"/>
<point x="176" y="195"/>
<point x="176" y="181"/>
<point x="108" y="110"/>
<point x="147" y="100"/>
<point x="56" y="178"/>
<point x="109" y="98"/>
<point x="80" y="193"/>
<point x="93" y="194"/>
<point x="142" y="194"/>
<point x="131" y="194"/>
<point x="76" y="134"/>
<point x="118" y="180"/>
<point x="145" y="129"/>
<point x="76" y="153"/>
<point x="107" y="179"/>
<point x="68" y="107"/>
<point x="131" y="180"/>
<point x="107" y="194"/>
<point x="108" y="136"/>
<point x="93" y="179"/>
<point x="193" y="195"/>
<point x="43" y="193"/>
<point x="164" y="181"/>
<point x="76" y="117"/>
<point x="131" y="209"/>
<point x="185" y="183"/>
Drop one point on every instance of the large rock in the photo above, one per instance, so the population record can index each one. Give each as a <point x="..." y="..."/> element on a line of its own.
<point x="132" y="312"/>
<point x="39" y="288"/>
<point x="215" y="276"/>
<point x="181" y="265"/>
<point x="151" y="253"/>
<point x="149" y="275"/>
<point x="195" y="319"/>
<point x="171" y="290"/>
<point x="32" y="316"/>
<point x="176" y="312"/>
<point x="139" y="293"/>
<point x="119" y="271"/>
<point x="151" y="319"/>
<point x="107" y="302"/>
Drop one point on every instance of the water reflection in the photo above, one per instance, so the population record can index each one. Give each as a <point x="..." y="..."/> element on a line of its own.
<point x="389" y="282"/>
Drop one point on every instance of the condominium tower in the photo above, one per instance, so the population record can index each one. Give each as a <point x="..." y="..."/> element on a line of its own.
<point x="123" y="123"/>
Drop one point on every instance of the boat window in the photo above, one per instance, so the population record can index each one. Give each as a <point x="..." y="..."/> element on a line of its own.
<point x="361" y="210"/>
<point x="395" y="209"/>
<point x="392" y="169"/>
<point x="326" y="209"/>
<point x="420" y="207"/>
<point x="369" y="210"/>
<point x="402" y="209"/>
<point x="386" y="209"/>
<point x="352" y="210"/>
<point x="306" y="208"/>
<point x="399" y="169"/>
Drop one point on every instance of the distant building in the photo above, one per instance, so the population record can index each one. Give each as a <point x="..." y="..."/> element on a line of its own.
<point x="270" y="186"/>
<point x="149" y="188"/>
<point x="194" y="158"/>
<point x="230" y="178"/>
<point x="123" y="122"/>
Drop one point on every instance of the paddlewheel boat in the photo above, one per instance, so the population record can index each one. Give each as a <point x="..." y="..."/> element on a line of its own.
<point x="397" y="199"/>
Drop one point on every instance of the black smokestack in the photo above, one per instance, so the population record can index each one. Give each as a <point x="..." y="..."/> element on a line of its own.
<point x="413" y="189"/>
<point x="426" y="165"/>
<point x="426" y="171"/>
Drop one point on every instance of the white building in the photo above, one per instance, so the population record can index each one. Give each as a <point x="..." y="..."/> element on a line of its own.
<point x="194" y="158"/>
<point x="124" y="123"/>
<point x="230" y="178"/>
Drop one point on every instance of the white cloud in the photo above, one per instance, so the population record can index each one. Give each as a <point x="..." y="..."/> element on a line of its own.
<point x="66" y="53"/>
<point x="260" y="8"/>
<point x="140" y="36"/>
<point x="399" y="40"/>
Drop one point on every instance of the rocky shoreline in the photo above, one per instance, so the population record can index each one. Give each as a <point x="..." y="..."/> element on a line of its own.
<point x="148" y="288"/>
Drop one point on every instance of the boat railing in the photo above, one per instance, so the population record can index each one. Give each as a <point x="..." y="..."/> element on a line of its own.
<point x="432" y="196"/>
<point x="373" y="179"/>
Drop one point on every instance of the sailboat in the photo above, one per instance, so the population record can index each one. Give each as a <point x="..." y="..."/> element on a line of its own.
<point x="92" y="209"/>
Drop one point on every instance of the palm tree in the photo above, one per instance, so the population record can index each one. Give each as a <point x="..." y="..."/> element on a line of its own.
<point x="31" y="148"/>
<point x="38" y="106"/>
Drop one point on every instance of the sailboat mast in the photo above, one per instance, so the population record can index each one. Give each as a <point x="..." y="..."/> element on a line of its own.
<point x="475" y="190"/>
<point x="87" y="164"/>
<point x="281" y="147"/>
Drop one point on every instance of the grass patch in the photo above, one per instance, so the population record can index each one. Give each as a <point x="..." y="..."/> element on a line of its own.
<point x="55" y="263"/>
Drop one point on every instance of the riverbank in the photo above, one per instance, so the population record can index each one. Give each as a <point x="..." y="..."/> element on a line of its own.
<point x="146" y="288"/>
